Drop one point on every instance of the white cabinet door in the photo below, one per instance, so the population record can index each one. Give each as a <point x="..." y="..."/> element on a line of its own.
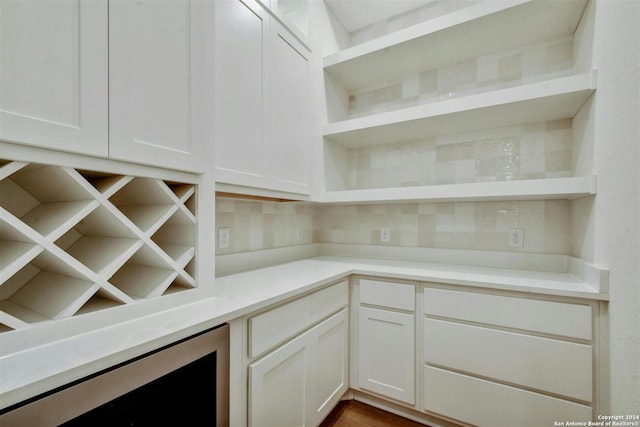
<point x="286" y="159"/>
<point x="262" y="106"/>
<point x="300" y="383"/>
<point x="53" y="74"/>
<point x="279" y="384"/>
<point x="386" y="348"/>
<point x="241" y="53"/>
<point x="331" y="353"/>
<point x="157" y="82"/>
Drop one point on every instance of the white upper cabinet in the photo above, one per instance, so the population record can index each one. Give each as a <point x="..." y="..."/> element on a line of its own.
<point x="123" y="79"/>
<point x="262" y="115"/>
<point x="240" y="88"/>
<point x="289" y="119"/>
<point x="53" y="74"/>
<point x="157" y="82"/>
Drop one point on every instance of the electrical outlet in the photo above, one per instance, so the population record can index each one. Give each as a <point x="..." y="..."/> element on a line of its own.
<point x="385" y="234"/>
<point x="223" y="238"/>
<point x="516" y="237"/>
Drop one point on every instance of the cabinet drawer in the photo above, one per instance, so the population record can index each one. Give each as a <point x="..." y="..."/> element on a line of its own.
<point x="551" y="365"/>
<point x="274" y="326"/>
<point x="387" y="294"/>
<point x="570" y="320"/>
<point x="329" y="300"/>
<point x="484" y="403"/>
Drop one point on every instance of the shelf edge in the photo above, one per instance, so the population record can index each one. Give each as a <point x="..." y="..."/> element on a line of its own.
<point x="467" y="104"/>
<point x="535" y="189"/>
<point x="435" y="25"/>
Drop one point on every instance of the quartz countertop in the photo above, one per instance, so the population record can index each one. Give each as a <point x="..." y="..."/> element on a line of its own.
<point x="28" y="372"/>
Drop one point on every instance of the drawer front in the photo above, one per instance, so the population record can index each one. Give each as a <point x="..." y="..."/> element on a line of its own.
<point x="570" y="320"/>
<point x="274" y="326"/>
<point x="551" y="365"/>
<point x="329" y="300"/>
<point x="388" y="294"/>
<point x="484" y="403"/>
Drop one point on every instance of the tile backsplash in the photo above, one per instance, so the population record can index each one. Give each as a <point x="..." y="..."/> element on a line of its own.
<point x="257" y="225"/>
<point x="541" y="150"/>
<point x="467" y="225"/>
<point x="527" y="64"/>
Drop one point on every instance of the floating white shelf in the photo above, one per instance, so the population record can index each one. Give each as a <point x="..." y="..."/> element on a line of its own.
<point x="533" y="189"/>
<point x="555" y="99"/>
<point x="480" y="29"/>
<point x="76" y="241"/>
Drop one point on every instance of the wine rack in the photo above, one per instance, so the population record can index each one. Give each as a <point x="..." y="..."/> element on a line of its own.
<point x="74" y="241"/>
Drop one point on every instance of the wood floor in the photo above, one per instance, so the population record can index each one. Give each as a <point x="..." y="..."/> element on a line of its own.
<point x="350" y="413"/>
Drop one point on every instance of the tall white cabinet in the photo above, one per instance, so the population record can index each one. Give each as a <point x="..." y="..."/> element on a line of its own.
<point x="158" y="82"/>
<point x="53" y="68"/>
<point x="240" y="88"/>
<point x="119" y="79"/>
<point x="262" y="114"/>
<point x="287" y="158"/>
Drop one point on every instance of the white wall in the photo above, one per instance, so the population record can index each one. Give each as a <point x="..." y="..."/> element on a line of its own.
<point x="616" y="208"/>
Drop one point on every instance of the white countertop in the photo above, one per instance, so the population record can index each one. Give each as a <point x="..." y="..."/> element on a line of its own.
<point x="33" y="370"/>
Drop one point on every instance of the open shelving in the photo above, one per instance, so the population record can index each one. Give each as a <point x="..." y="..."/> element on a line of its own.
<point x="536" y="102"/>
<point x="75" y="241"/>
<point x="487" y="71"/>
<point x="476" y="30"/>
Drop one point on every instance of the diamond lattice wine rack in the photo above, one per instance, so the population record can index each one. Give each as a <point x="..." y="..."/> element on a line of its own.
<point x="74" y="241"/>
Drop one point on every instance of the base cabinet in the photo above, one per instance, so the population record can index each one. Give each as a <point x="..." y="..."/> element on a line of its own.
<point x="437" y="351"/>
<point x="486" y="403"/>
<point x="385" y="339"/>
<point x="301" y="381"/>
<point x="386" y="348"/>
<point x="331" y="367"/>
<point x="298" y="359"/>
<point x="496" y="360"/>
<point x="278" y="385"/>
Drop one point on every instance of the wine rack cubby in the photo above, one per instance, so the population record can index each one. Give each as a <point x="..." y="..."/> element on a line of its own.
<point x="73" y="241"/>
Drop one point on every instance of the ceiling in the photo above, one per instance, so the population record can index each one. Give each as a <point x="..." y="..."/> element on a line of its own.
<point x="356" y="14"/>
